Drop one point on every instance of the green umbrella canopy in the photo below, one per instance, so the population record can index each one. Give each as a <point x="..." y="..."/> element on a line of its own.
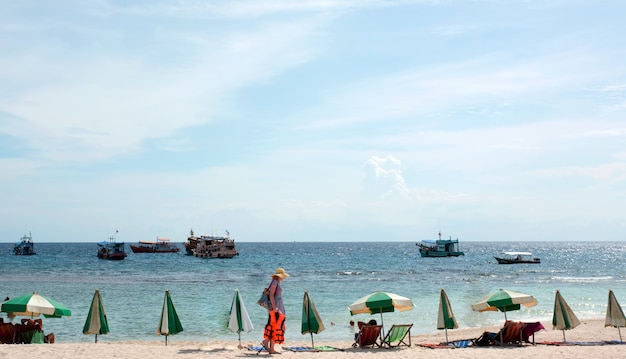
<point x="445" y="318"/>
<point x="614" y="314"/>
<point x="34" y="305"/>
<point x="563" y="317"/>
<point x="239" y="321"/>
<point x="311" y="320"/>
<point x="380" y="302"/>
<point x="504" y="301"/>
<point x="169" y="323"/>
<point x="96" y="322"/>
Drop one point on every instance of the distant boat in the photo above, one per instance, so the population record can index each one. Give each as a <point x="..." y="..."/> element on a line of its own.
<point x="209" y="246"/>
<point x="440" y="248"/>
<point x="517" y="257"/>
<point x="111" y="250"/>
<point x="25" y="247"/>
<point x="162" y="245"/>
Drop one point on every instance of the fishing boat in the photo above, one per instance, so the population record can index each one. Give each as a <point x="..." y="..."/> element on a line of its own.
<point x="517" y="257"/>
<point x="440" y="247"/>
<point x="111" y="250"/>
<point x="25" y="247"/>
<point x="210" y="246"/>
<point x="162" y="245"/>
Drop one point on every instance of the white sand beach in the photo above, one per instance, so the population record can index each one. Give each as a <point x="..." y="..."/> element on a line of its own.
<point x="589" y="337"/>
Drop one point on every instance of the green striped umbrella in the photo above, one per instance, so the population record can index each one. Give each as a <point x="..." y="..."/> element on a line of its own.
<point x="239" y="320"/>
<point x="504" y="301"/>
<point x="445" y="318"/>
<point x="169" y="324"/>
<point x="380" y="302"/>
<point x="614" y="315"/>
<point x="311" y="320"/>
<point x="563" y="317"/>
<point x="33" y="305"/>
<point x="96" y="322"/>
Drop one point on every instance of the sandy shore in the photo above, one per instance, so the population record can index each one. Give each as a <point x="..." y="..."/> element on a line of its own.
<point x="588" y="333"/>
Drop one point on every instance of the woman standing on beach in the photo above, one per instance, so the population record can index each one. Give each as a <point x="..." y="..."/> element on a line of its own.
<point x="275" y="328"/>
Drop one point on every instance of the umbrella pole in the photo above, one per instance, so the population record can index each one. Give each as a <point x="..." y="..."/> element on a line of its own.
<point x="165" y="339"/>
<point x="564" y="336"/>
<point x="312" y="345"/>
<point x="446" y="330"/>
<point x="620" y="334"/>
<point x="96" y="338"/>
<point x="382" y="324"/>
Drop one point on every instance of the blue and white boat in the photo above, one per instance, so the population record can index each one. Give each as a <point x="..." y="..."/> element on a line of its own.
<point x="25" y="247"/>
<point x="111" y="250"/>
<point x="440" y="248"/>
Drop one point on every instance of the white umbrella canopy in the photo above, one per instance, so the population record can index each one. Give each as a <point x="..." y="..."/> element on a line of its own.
<point x="445" y="317"/>
<point x="563" y="317"/>
<point x="239" y="320"/>
<point x="614" y="315"/>
<point x="504" y="301"/>
<point x="33" y="305"/>
<point x="380" y="302"/>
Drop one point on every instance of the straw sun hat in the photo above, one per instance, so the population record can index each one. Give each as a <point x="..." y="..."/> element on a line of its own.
<point x="280" y="272"/>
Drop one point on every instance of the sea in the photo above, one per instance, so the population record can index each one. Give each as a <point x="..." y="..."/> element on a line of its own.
<point x="334" y="274"/>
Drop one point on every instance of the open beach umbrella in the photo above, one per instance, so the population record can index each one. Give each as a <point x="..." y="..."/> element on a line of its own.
<point x="445" y="318"/>
<point x="311" y="320"/>
<point x="96" y="322"/>
<point x="563" y="317"/>
<point x="33" y="305"/>
<point x="239" y="320"/>
<point x="504" y="301"/>
<point x="380" y="302"/>
<point x="614" y="315"/>
<point x="169" y="324"/>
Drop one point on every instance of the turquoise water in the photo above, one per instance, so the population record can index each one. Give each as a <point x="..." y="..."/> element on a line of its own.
<point x="335" y="274"/>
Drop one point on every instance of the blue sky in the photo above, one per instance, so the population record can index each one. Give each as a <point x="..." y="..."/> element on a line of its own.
<point x="313" y="120"/>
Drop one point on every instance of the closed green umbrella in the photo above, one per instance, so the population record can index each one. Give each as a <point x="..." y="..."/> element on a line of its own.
<point x="563" y="317"/>
<point x="311" y="320"/>
<point x="445" y="318"/>
<point x="614" y="315"/>
<point x="239" y="320"/>
<point x="504" y="301"/>
<point x="33" y="305"/>
<point x="169" y="324"/>
<point x="96" y="322"/>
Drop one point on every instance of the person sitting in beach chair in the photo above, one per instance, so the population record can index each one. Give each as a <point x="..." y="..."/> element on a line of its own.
<point x="511" y="333"/>
<point x="397" y="334"/>
<point x="369" y="335"/>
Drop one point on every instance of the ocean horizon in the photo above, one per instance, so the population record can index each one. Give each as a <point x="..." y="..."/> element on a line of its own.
<point x="334" y="274"/>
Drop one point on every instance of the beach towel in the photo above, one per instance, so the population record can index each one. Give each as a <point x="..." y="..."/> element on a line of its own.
<point x="301" y="349"/>
<point x="436" y="346"/>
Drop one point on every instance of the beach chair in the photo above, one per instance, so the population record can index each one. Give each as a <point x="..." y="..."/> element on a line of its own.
<point x="530" y="329"/>
<point x="29" y="332"/>
<point x="486" y="339"/>
<point x="369" y="336"/>
<point x="7" y="333"/>
<point x="397" y="334"/>
<point x="510" y="334"/>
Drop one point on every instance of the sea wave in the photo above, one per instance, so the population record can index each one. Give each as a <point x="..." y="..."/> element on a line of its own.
<point x="582" y="279"/>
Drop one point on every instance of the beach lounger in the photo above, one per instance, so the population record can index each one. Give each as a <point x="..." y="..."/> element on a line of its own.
<point x="510" y="334"/>
<point x="7" y="333"/>
<point x="369" y="336"/>
<point x="397" y="335"/>
<point x="529" y="329"/>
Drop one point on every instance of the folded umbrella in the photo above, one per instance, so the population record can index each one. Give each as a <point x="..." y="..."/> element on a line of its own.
<point x="239" y="320"/>
<point x="96" y="322"/>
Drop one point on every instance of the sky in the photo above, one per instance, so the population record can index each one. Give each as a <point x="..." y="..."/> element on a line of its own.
<point x="313" y="120"/>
